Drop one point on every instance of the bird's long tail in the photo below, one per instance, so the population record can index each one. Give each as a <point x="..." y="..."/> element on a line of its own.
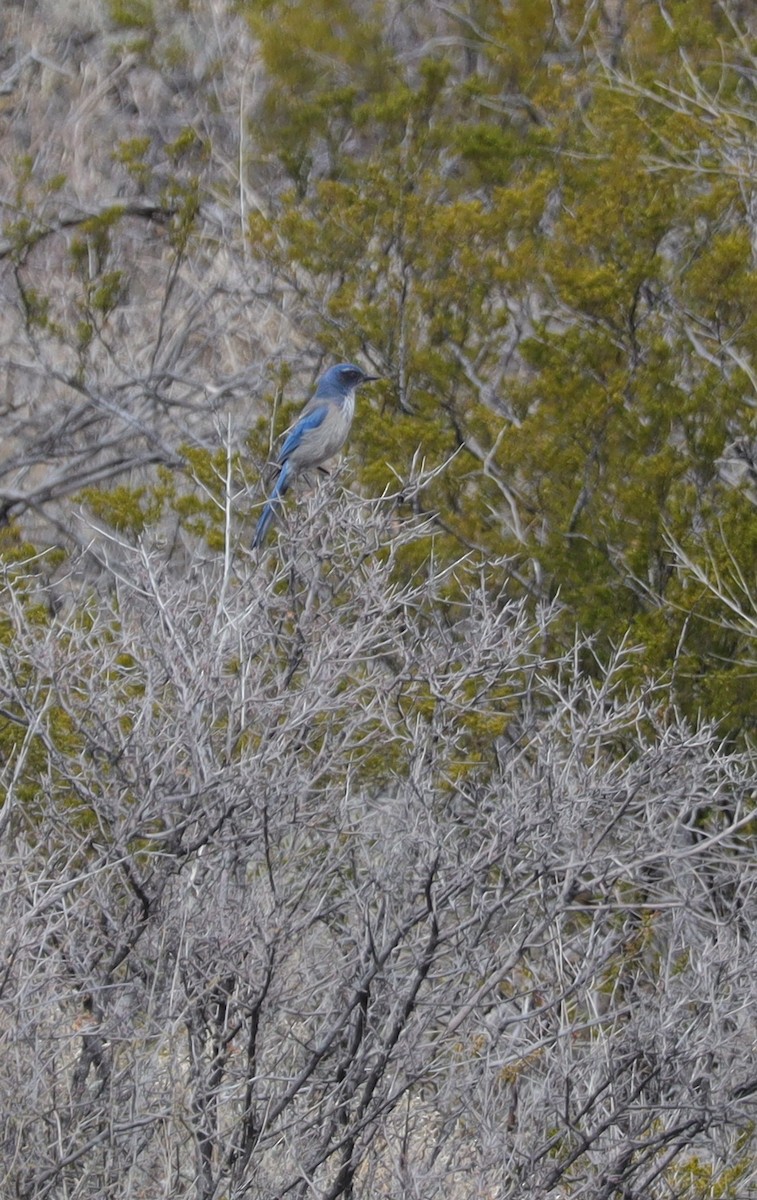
<point x="269" y="511"/>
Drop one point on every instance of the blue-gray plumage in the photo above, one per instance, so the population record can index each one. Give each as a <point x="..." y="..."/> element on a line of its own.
<point x="319" y="433"/>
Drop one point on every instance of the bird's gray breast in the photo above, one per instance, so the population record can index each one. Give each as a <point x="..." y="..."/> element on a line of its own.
<point x="326" y="439"/>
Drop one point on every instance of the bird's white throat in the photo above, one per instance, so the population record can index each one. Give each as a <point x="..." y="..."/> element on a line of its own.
<point x="348" y="407"/>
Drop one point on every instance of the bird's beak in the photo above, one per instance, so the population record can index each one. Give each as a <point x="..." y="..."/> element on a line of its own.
<point x="370" y="378"/>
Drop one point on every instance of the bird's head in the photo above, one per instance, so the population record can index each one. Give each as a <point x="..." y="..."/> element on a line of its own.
<point x="341" y="380"/>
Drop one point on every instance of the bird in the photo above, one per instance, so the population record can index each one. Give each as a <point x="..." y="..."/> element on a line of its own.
<point x="319" y="433"/>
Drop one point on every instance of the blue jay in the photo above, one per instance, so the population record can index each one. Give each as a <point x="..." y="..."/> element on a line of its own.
<point x="319" y="433"/>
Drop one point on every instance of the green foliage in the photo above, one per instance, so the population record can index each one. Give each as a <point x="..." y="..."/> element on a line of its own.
<point x="33" y="193"/>
<point x="132" y="14"/>
<point x="131" y="153"/>
<point x="182" y="197"/>
<point x="458" y="232"/>
<point x="186" y="144"/>
<point x="126" y="509"/>
<point x="328" y="58"/>
<point x="698" y="1179"/>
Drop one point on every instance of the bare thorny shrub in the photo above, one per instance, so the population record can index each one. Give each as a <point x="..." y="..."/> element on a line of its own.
<point x="322" y="879"/>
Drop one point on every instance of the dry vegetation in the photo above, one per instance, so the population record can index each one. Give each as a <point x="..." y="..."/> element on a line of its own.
<point x="334" y="888"/>
<point x="119" y="341"/>
<point x="333" y="873"/>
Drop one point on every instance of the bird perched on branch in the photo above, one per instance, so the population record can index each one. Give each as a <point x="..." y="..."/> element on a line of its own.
<point x="318" y="434"/>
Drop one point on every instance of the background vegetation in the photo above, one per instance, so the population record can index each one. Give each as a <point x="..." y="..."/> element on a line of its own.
<point x="415" y="858"/>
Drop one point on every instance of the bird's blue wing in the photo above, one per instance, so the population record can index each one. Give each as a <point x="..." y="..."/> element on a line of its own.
<point x="308" y="421"/>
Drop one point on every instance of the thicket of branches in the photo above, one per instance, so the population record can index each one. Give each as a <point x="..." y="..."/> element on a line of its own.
<point x="320" y="884"/>
<point x="413" y="858"/>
